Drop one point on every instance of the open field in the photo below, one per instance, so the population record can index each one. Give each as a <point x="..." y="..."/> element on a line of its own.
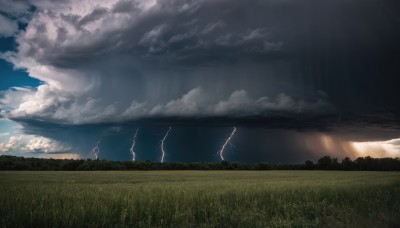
<point x="200" y="199"/>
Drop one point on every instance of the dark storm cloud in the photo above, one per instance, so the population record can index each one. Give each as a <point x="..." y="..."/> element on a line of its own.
<point x="284" y="140"/>
<point x="348" y="49"/>
<point x="295" y="65"/>
<point x="350" y="126"/>
<point x="171" y="32"/>
<point x="16" y="8"/>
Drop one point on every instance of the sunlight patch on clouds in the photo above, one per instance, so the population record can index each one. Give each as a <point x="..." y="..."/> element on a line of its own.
<point x="332" y="145"/>
<point x="336" y="146"/>
<point x="61" y="156"/>
<point x="389" y="148"/>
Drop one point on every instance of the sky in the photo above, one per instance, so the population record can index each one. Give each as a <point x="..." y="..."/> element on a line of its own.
<point x="298" y="79"/>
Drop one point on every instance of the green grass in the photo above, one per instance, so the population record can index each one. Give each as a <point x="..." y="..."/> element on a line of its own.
<point x="200" y="199"/>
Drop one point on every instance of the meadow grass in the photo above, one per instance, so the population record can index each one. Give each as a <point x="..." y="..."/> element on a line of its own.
<point x="200" y="199"/>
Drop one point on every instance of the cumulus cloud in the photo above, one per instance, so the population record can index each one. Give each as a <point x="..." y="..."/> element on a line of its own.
<point x="13" y="143"/>
<point x="11" y="98"/>
<point x="27" y="144"/>
<point x="45" y="145"/>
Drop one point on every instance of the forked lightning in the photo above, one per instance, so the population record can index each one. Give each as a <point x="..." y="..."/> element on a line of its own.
<point x="132" y="149"/>
<point x="221" y="152"/>
<point x="96" y="150"/>
<point x="162" y="145"/>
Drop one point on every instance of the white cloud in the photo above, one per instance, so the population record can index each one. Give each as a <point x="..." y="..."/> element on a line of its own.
<point x="4" y="134"/>
<point x="27" y="143"/>
<point x="14" y="8"/>
<point x="45" y="145"/>
<point x="13" y="97"/>
<point x="14" y="143"/>
<point x="7" y="27"/>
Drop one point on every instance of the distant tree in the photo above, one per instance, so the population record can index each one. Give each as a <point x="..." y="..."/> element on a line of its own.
<point x="335" y="164"/>
<point x="309" y="165"/>
<point x="325" y="163"/>
<point x="360" y="163"/>
<point x="371" y="163"/>
<point x="225" y="165"/>
<point x="239" y="166"/>
<point x="263" y="166"/>
<point x="389" y="164"/>
<point x="347" y="164"/>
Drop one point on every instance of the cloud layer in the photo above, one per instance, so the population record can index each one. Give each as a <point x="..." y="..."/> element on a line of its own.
<point x="295" y="64"/>
<point x="112" y="61"/>
<point x="100" y="61"/>
<point x="49" y="105"/>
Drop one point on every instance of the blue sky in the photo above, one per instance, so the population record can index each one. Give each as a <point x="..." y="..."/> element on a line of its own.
<point x="10" y="77"/>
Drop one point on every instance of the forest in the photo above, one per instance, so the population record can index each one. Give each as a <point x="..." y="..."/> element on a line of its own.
<point x="324" y="163"/>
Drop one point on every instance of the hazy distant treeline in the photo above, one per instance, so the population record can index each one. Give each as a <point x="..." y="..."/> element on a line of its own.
<point x="324" y="163"/>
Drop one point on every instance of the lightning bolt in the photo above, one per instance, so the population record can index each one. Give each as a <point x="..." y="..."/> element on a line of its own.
<point x="221" y="152"/>
<point x="132" y="149"/>
<point x="162" y="145"/>
<point x="96" y="150"/>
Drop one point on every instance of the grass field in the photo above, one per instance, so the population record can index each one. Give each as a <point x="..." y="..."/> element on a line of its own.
<point x="200" y="199"/>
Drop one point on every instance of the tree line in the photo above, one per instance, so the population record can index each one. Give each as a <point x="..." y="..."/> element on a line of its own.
<point x="324" y="163"/>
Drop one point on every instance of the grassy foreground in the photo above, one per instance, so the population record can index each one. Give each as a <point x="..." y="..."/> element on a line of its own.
<point x="200" y="199"/>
